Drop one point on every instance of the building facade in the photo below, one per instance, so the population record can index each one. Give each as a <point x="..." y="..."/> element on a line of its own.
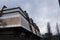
<point x="15" y="24"/>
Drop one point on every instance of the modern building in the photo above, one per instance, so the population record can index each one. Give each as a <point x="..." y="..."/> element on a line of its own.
<point x="15" y="24"/>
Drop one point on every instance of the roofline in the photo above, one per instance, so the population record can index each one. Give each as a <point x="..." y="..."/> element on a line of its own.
<point x="15" y="12"/>
<point x="12" y="9"/>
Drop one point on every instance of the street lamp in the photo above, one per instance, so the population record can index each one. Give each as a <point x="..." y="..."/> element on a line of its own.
<point x="2" y="10"/>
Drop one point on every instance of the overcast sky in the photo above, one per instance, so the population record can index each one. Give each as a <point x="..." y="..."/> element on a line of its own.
<point x="42" y="11"/>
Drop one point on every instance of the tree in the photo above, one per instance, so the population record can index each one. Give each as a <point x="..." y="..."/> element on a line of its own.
<point x="49" y="32"/>
<point x="59" y="2"/>
<point x="57" y="26"/>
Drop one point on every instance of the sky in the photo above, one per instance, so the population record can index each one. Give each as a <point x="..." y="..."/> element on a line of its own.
<point x="41" y="11"/>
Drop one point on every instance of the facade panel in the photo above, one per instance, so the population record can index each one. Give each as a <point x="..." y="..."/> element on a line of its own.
<point x="25" y="23"/>
<point x="33" y="29"/>
<point x="10" y="20"/>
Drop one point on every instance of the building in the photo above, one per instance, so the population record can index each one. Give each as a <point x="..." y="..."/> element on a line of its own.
<point x="15" y="24"/>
